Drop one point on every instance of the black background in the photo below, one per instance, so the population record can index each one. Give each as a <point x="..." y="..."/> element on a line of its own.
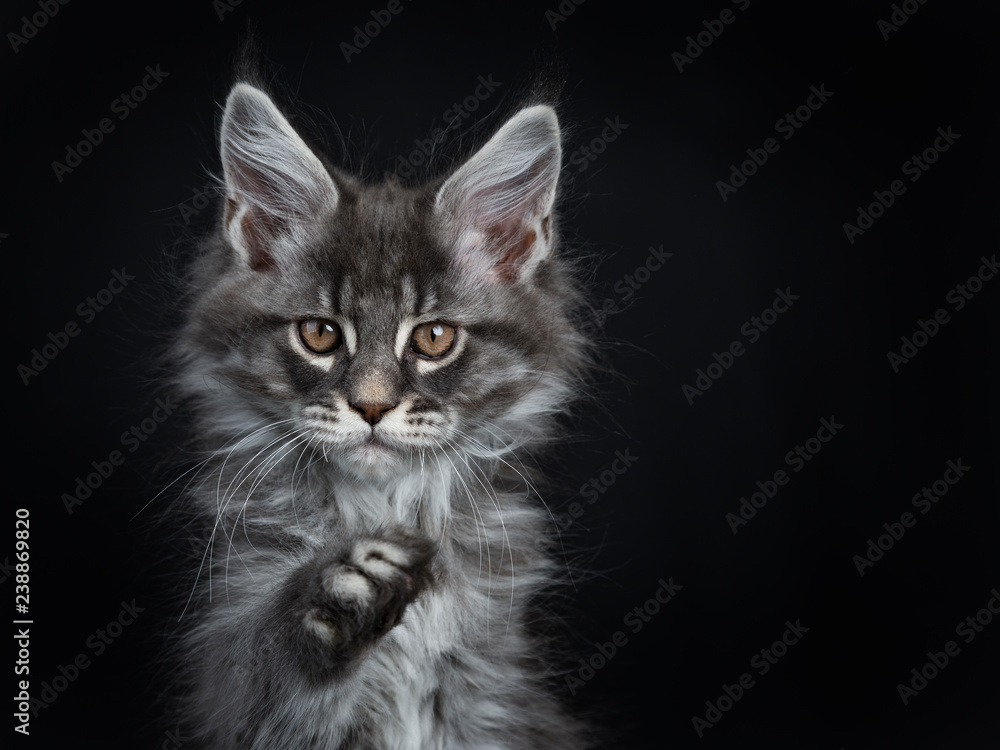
<point x="655" y="184"/>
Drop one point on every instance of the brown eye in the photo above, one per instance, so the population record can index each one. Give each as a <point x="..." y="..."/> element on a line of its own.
<point x="320" y="336"/>
<point x="433" y="339"/>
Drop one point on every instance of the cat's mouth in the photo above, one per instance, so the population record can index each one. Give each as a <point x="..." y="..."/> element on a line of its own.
<point x="367" y="452"/>
<point x="376" y="441"/>
<point x="375" y="452"/>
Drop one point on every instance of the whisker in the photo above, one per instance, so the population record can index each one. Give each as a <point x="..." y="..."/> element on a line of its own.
<point x="196" y="469"/>
<point x="210" y="545"/>
<point x="531" y="489"/>
<point x="275" y="459"/>
<point x="476" y="514"/>
<point x="295" y="470"/>
<point x="505" y="540"/>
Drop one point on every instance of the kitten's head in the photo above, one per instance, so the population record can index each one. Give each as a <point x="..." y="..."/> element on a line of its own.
<point x="379" y="323"/>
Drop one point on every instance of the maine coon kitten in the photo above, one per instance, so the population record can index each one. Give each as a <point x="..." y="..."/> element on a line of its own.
<point x="367" y="365"/>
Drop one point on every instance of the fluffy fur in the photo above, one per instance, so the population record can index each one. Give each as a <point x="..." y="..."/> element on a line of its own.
<point x="371" y="549"/>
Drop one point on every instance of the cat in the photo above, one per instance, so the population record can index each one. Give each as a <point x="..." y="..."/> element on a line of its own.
<point x="368" y="366"/>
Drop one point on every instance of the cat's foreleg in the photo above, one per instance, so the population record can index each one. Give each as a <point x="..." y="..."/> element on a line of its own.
<point x="341" y="603"/>
<point x="278" y="661"/>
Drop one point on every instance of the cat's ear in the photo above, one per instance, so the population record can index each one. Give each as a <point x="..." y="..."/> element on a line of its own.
<point x="498" y="205"/>
<point x="276" y="187"/>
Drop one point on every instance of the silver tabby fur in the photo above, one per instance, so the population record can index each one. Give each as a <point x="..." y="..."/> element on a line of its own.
<point x="370" y="583"/>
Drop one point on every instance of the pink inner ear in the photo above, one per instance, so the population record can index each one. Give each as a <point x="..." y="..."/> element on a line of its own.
<point x="259" y="228"/>
<point x="255" y="235"/>
<point x="513" y="244"/>
<point x="509" y="238"/>
<point x="256" y="227"/>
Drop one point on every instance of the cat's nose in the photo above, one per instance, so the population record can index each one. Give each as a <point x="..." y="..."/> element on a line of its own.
<point x="372" y="413"/>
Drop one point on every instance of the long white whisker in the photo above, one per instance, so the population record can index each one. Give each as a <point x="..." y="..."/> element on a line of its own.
<point x="295" y="471"/>
<point x="274" y="458"/>
<point x="196" y="469"/>
<point x="210" y="545"/>
<point x="476" y="514"/>
<point x="223" y="504"/>
<point x="528" y="484"/>
<point x="495" y="499"/>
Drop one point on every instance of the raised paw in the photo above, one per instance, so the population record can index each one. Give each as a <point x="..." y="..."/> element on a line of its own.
<point x="361" y="594"/>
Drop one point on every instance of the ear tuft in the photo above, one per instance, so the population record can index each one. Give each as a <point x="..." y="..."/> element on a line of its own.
<point x="497" y="207"/>
<point x="276" y="187"/>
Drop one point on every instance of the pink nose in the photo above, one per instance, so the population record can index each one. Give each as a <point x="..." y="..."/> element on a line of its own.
<point x="372" y="413"/>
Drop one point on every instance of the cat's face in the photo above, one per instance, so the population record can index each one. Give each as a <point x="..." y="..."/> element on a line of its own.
<point x="389" y="326"/>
